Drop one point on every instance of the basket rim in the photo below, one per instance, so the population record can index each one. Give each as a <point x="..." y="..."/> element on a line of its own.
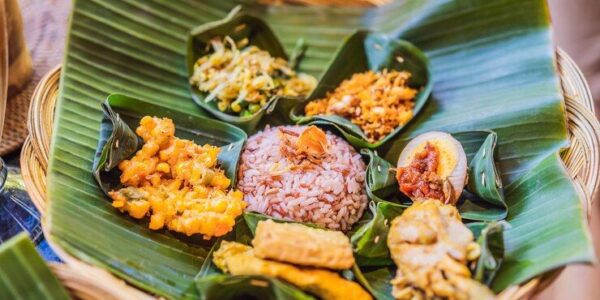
<point x="578" y="107"/>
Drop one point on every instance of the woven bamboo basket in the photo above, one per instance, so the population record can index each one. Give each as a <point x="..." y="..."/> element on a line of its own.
<point x="90" y="282"/>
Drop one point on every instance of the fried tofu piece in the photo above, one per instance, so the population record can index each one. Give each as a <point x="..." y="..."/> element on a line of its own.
<point x="302" y="245"/>
<point x="239" y="259"/>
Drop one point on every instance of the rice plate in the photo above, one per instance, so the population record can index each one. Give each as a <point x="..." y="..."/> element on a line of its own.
<point x="329" y="192"/>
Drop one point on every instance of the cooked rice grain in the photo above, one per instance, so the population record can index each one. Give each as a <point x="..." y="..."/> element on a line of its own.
<point x="330" y="194"/>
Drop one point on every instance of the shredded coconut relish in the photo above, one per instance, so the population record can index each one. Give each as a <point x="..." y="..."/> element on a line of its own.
<point x="242" y="79"/>
<point x="177" y="183"/>
<point x="378" y="102"/>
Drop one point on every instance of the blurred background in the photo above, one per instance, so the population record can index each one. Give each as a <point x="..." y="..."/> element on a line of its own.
<point x="576" y="26"/>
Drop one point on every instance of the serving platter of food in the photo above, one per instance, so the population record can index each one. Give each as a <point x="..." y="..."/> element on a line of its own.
<point x="220" y="150"/>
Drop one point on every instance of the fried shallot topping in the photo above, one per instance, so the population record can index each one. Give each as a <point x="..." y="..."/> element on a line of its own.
<point x="312" y="142"/>
<point x="310" y="146"/>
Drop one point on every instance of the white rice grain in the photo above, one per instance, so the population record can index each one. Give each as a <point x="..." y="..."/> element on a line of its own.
<point x="331" y="194"/>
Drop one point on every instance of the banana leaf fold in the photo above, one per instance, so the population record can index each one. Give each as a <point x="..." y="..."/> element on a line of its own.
<point x="118" y="140"/>
<point x="244" y="287"/>
<point x="490" y="237"/>
<point x="482" y="200"/>
<point x="24" y="273"/>
<point x="237" y="26"/>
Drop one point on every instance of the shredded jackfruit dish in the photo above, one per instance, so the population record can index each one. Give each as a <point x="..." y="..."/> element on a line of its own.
<point x="378" y="102"/>
<point x="177" y="183"/>
<point x="243" y="78"/>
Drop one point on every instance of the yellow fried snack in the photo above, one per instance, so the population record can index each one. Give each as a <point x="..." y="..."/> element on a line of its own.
<point x="431" y="247"/>
<point x="302" y="245"/>
<point x="177" y="183"/>
<point x="239" y="259"/>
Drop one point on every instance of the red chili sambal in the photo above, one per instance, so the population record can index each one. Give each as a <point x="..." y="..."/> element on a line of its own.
<point x="419" y="179"/>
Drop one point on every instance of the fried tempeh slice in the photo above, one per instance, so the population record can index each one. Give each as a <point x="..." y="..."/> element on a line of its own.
<point x="239" y="259"/>
<point x="302" y="245"/>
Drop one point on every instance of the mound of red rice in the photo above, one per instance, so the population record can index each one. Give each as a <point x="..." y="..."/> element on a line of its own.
<point x="330" y="193"/>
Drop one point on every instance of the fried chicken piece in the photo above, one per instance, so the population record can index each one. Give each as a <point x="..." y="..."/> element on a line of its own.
<point x="239" y="259"/>
<point x="302" y="245"/>
<point x="431" y="247"/>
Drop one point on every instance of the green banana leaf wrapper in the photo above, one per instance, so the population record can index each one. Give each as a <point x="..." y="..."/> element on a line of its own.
<point x="244" y="287"/>
<point x="364" y="51"/>
<point x="118" y="140"/>
<point x="483" y="198"/>
<point x="490" y="237"/>
<point x="24" y="273"/>
<point x="258" y="33"/>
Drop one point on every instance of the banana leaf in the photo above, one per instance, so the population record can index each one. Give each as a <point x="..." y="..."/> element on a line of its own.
<point x="24" y="274"/>
<point x="376" y="280"/>
<point x="484" y="180"/>
<point x="546" y="225"/>
<point x="361" y="52"/>
<point x="490" y="237"/>
<point x="498" y="263"/>
<point x="238" y="27"/>
<point x="118" y="140"/>
<point x="370" y="248"/>
<point x="208" y="267"/>
<point x="253" y="218"/>
<point x="369" y="242"/>
<point x="227" y="287"/>
<point x="492" y="66"/>
<point x="483" y="199"/>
